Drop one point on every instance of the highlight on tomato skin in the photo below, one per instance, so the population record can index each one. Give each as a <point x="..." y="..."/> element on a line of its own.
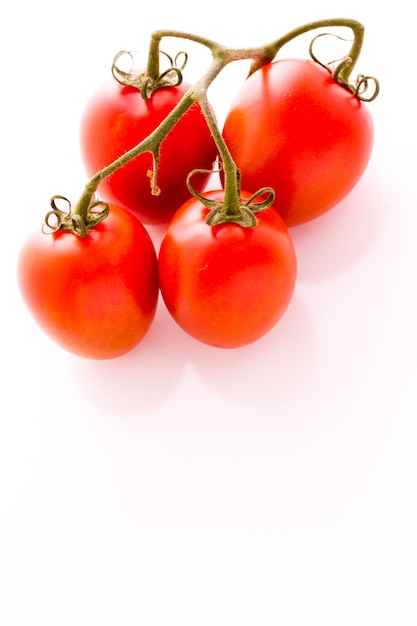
<point x="226" y="285"/>
<point x="95" y="296"/>
<point x="115" y="119"/>
<point x="292" y="127"/>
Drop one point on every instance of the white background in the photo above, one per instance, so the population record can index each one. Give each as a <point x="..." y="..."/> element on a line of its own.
<point x="184" y="485"/>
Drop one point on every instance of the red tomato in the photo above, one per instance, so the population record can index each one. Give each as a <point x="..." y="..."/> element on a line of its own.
<point x="95" y="296"/>
<point x="226" y="285"/>
<point x="295" y="129"/>
<point x="116" y="119"/>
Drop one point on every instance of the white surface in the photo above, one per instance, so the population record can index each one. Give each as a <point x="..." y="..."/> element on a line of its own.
<point x="182" y="485"/>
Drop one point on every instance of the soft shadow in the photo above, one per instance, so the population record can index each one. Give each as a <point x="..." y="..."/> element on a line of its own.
<point x="268" y="372"/>
<point x="338" y="240"/>
<point x="139" y="381"/>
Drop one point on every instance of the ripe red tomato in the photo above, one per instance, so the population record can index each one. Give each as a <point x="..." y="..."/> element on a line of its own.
<point x="292" y="127"/>
<point x="95" y="296"/>
<point x="226" y="285"/>
<point x="116" y="119"/>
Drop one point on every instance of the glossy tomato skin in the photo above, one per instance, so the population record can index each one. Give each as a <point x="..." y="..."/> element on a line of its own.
<point x="293" y="128"/>
<point x="226" y="285"/>
<point x="116" y="119"/>
<point x="94" y="296"/>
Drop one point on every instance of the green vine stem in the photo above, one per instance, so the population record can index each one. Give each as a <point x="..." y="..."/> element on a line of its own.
<point x="357" y="28"/>
<point x="232" y="208"/>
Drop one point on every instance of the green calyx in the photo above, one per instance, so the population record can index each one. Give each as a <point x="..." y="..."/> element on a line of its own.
<point x="241" y="213"/>
<point x="341" y="70"/>
<point x="79" y="223"/>
<point x="147" y="82"/>
<point x="232" y="208"/>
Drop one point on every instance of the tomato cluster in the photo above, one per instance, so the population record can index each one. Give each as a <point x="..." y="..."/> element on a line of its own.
<point x="292" y="128"/>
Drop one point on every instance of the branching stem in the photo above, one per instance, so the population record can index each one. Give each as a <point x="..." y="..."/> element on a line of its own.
<point x="221" y="56"/>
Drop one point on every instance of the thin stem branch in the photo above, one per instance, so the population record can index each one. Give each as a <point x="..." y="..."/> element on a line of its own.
<point x="151" y="143"/>
<point x="271" y="50"/>
<point x="231" y="177"/>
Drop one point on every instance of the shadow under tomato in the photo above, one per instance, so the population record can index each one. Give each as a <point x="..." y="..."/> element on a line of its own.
<point x="269" y="374"/>
<point x="139" y="381"/>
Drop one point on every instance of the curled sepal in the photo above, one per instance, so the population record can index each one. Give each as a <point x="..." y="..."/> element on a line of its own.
<point x="241" y="212"/>
<point x="341" y="73"/>
<point x="264" y="204"/>
<point x="362" y="85"/>
<point x="171" y="77"/>
<point x="129" y="77"/>
<point x="58" y="219"/>
<point x="245" y="215"/>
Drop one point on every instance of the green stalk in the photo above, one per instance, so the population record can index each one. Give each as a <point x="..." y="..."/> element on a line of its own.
<point x="232" y="208"/>
<point x="357" y="28"/>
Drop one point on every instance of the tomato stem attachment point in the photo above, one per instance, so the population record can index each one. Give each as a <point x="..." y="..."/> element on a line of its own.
<point x="241" y="211"/>
<point x="78" y="223"/>
<point x="147" y="82"/>
<point x="342" y="71"/>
